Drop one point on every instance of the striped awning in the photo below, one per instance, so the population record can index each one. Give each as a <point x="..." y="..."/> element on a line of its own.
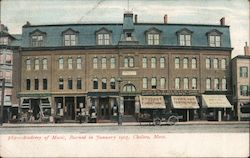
<point x="184" y="102"/>
<point x="215" y="101"/>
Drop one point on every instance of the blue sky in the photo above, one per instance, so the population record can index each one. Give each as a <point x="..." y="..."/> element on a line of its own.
<point x="15" y="13"/>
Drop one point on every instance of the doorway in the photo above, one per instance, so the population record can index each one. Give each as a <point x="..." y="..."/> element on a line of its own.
<point x="104" y="109"/>
<point x="69" y="108"/>
<point x="35" y="107"/>
<point x="129" y="105"/>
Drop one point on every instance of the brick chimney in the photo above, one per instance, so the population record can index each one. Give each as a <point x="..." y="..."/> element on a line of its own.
<point x="222" y="21"/>
<point x="165" y="19"/>
<point x="136" y="18"/>
<point x="246" y="50"/>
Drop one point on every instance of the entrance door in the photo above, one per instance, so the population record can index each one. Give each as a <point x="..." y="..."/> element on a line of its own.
<point x="35" y="108"/>
<point x="129" y="105"/>
<point x="104" y="108"/>
<point x="70" y="108"/>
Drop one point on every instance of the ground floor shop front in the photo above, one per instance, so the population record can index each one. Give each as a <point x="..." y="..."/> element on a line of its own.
<point x="106" y="107"/>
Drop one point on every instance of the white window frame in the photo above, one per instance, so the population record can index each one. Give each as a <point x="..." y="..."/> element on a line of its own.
<point x="177" y="83"/>
<point x="70" y="39"/>
<point x="104" y="63"/>
<point x="79" y="63"/>
<point x="144" y="62"/>
<point x="153" y="62"/>
<point x="224" y="84"/>
<point x="177" y="63"/>
<point x="185" y="63"/>
<point x="70" y="63"/>
<point x="61" y="63"/>
<point x="185" y="83"/>
<point x="163" y="83"/>
<point x="45" y="64"/>
<point x="208" y="84"/>
<point x="36" y="64"/>
<point x="162" y="62"/>
<point x="95" y="63"/>
<point x="185" y="39"/>
<point x="194" y="83"/>
<point x="144" y="82"/>
<point x="153" y="39"/>
<point x="112" y="63"/>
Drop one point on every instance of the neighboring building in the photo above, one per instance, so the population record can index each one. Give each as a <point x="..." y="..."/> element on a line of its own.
<point x="66" y="67"/>
<point x="9" y="54"/>
<point x="241" y="85"/>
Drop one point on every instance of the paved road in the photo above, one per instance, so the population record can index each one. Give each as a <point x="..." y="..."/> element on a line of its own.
<point x="193" y="128"/>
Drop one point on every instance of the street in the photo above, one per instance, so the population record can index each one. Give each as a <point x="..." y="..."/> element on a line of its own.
<point x="114" y="129"/>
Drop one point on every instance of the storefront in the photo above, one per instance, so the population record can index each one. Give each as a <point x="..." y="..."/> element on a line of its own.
<point x="185" y="106"/>
<point x="217" y="107"/>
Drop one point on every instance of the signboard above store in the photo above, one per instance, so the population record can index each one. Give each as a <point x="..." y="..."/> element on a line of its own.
<point x="129" y="73"/>
<point x="152" y="102"/>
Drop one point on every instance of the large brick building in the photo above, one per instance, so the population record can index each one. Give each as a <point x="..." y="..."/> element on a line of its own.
<point x="65" y="68"/>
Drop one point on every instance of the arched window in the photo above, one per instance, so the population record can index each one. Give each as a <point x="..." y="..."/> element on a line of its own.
<point x="216" y="63"/>
<point x="79" y="63"/>
<point x="45" y="64"/>
<point x="144" y="62"/>
<point x="153" y="62"/>
<point x="95" y="63"/>
<point x="104" y="83"/>
<point x="177" y="62"/>
<point x="162" y="62"/>
<point x="185" y="82"/>
<point x="223" y="63"/>
<point x="162" y="83"/>
<point x="194" y="63"/>
<point x="112" y="83"/>
<point x="185" y="63"/>
<point x="70" y="63"/>
<point x="28" y="64"/>
<point x="129" y="88"/>
<point x="61" y="62"/>
<point x="112" y="63"/>
<point x="224" y="84"/>
<point x="95" y="83"/>
<point x="37" y="64"/>
<point x="104" y="63"/>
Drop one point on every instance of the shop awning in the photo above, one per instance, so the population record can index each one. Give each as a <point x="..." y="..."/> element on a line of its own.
<point x="152" y="102"/>
<point x="184" y="102"/>
<point x="215" y="101"/>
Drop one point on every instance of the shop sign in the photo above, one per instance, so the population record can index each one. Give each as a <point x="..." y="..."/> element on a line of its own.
<point x="128" y="73"/>
<point x="152" y="102"/>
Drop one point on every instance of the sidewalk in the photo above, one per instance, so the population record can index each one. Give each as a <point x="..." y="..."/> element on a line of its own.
<point x="16" y="125"/>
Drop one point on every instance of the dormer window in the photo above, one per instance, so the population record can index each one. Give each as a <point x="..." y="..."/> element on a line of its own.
<point x="184" y="37"/>
<point x="4" y="40"/>
<point x="37" y="38"/>
<point x="70" y="37"/>
<point x="214" y="38"/>
<point x="153" y="36"/>
<point x="103" y="36"/>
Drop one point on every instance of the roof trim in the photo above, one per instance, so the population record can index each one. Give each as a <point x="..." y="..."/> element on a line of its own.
<point x="69" y="29"/>
<point x="241" y="57"/>
<point x="184" y="30"/>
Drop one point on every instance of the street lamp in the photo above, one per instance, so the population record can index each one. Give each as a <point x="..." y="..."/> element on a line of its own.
<point x="2" y="100"/>
<point x="119" y="80"/>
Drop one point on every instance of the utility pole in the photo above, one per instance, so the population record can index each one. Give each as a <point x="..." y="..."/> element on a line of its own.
<point x="2" y="101"/>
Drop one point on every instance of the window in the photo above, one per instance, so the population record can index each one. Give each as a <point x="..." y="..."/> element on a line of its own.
<point x="70" y="83"/>
<point x="194" y="83"/>
<point x="144" y="62"/>
<point x="216" y="64"/>
<point x="129" y="88"/>
<point x="95" y="63"/>
<point x="8" y="59"/>
<point x="45" y="84"/>
<point x="1" y="58"/>
<point x="153" y="39"/>
<point x="208" y="63"/>
<point x="216" y="84"/>
<point x="153" y="62"/>
<point x="45" y="64"/>
<point x="28" y="84"/>
<point x="36" y="64"/>
<point x="79" y="83"/>
<point x="61" y="83"/>
<point x="70" y="63"/>
<point x="61" y="63"/>
<point x="3" y="40"/>
<point x="112" y="63"/>
<point x="244" y="72"/>
<point x="69" y="40"/>
<point x="112" y="83"/>
<point x="162" y="83"/>
<point x="177" y="62"/>
<point x="208" y="84"/>
<point x="79" y="63"/>
<point x="223" y="63"/>
<point x="153" y="83"/>
<point x="145" y="83"/>
<point x="95" y="83"/>
<point x="128" y="36"/>
<point x="37" y="40"/>
<point x="185" y="63"/>
<point x="162" y="62"/>
<point x="129" y="62"/>
<point x="8" y="76"/>
<point x="104" y="63"/>
<point x="36" y="84"/>
<point x="103" y="39"/>
<point x="244" y="91"/>
<point x="224" y="84"/>
<point x="28" y="64"/>
<point x="194" y="63"/>
<point x="214" y="41"/>
<point x="104" y="83"/>
<point x="185" y="40"/>
<point x="177" y="83"/>
<point x="185" y="83"/>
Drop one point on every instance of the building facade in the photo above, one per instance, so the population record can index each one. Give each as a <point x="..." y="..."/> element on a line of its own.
<point x="8" y="53"/>
<point x="67" y="69"/>
<point x="241" y="85"/>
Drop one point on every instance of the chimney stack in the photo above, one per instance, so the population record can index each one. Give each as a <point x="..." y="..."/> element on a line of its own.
<point x="165" y="19"/>
<point x="246" y="50"/>
<point x="136" y="18"/>
<point x="222" y="21"/>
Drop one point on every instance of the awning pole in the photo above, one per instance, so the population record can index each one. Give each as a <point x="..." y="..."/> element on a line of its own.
<point x="187" y="114"/>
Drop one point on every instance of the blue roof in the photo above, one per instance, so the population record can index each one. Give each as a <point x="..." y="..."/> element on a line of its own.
<point x="87" y="33"/>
